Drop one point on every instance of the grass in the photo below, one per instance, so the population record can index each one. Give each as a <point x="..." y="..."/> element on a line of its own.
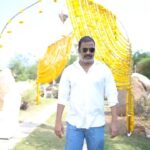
<point x="43" y="138"/>
<point x="127" y="143"/>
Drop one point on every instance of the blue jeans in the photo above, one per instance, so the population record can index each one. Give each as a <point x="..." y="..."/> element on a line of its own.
<point x="75" y="138"/>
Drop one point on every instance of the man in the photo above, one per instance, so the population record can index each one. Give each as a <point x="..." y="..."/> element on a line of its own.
<point x="84" y="85"/>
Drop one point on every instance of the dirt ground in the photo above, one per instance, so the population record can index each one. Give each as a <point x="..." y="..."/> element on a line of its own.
<point x="140" y="124"/>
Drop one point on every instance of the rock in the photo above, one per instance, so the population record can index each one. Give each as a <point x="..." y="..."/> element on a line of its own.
<point x="143" y="79"/>
<point x="24" y="105"/>
<point x="147" y="132"/>
<point x="139" y="130"/>
<point x="7" y="82"/>
<point x="141" y="91"/>
<point x="1" y="104"/>
<point x="9" y="104"/>
<point x="122" y="102"/>
<point x="141" y="86"/>
<point x="138" y="89"/>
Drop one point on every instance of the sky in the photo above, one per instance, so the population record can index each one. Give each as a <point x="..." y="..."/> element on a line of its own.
<point x="42" y="29"/>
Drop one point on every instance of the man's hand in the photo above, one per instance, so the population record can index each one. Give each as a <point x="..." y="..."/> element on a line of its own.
<point x="113" y="129"/>
<point x="114" y="122"/>
<point x="59" y="129"/>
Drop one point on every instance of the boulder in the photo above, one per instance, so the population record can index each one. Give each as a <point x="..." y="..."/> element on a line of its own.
<point x="122" y="102"/>
<point x="141" y="91"/>
<point x="6" y="84"/>
<point x="10" y="101"/>
<point x="143" y="79"/>
<point x="141" y="86"/>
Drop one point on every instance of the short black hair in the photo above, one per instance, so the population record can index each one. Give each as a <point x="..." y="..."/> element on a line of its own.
<point x="85" y="39"/>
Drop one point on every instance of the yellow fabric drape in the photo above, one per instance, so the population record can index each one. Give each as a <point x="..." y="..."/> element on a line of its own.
<point x="112" y="47"/>
<point x="53" y="62"/>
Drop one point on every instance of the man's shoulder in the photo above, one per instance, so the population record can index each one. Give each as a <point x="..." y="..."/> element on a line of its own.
<point x="70" y="67"/>
<point x="102" y="65"/>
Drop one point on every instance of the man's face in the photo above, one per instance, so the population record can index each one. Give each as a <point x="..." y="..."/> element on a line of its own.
<point x="86" y="52"/>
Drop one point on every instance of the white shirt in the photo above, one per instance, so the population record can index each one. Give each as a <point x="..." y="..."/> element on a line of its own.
<point x="85" y="92"/>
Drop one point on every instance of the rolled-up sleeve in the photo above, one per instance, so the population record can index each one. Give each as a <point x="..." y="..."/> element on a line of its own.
<point x="64" y="88"/>
<point x="110" y="89"/>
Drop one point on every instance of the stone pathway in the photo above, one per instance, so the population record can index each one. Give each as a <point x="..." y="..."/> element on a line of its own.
<point x="27" y="127"/>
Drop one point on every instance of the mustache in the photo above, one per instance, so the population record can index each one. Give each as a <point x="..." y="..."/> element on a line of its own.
<point x="88" y="55"/>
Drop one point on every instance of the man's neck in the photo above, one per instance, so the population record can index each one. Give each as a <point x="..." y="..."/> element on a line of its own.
<point x="86" y="65"/>
<point x="82" y="63"/>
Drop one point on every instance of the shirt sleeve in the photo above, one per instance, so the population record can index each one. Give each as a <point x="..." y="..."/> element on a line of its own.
<point x="110" y="88"/>
<point x="64" y="88"/>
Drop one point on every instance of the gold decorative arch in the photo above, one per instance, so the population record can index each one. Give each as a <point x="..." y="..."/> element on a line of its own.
<point x="112" y="48"/>
<point x="53" y="62"/>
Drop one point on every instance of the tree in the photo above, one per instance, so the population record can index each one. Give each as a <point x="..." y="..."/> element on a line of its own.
<point x="143" y="67"/>
<point x="22" y="68"/>
<point x="18" y="70"/>
<point x="137" y="57"/>
<point x="32" y="71"/>
<point x="72" y="59"/>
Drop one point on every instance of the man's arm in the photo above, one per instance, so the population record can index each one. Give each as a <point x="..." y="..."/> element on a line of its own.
<point x="114" y="122"/>
<point x="59" y="129"/>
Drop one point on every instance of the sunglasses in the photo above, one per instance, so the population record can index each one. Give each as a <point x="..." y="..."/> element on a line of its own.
<point x="91" y="50"/>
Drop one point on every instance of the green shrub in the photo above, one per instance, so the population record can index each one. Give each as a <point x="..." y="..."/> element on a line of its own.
<point x="28" y="97"/>
<point x="143" y="67"/>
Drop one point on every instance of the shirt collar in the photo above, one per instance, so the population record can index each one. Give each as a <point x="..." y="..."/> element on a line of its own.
<point x="76" y="63"/>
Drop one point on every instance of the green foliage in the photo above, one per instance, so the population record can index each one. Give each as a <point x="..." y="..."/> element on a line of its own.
<point x="22" y="68"/>
<point x="138" y="56"/>
<point x="141" y="63"/>
<point x="143" y="67"/>
<point x="72" y="59"/>
<point x="18" y="70"/>
<point x="32" y="71"/>
<point x="29" y="95"/>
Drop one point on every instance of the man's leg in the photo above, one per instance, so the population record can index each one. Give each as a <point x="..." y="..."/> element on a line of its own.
<point x="74" y="138"/>
<point x="95" y="138"/>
